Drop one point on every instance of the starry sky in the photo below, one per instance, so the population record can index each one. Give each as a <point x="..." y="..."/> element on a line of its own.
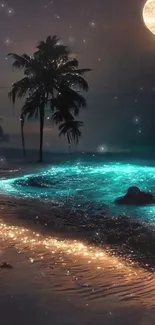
<point x="108" y="36"/>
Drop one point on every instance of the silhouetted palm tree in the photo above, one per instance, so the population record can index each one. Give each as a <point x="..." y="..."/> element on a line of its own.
<point x="67" y="104"/>
<point x="71" y="129"/>
<point x="44" y="74"/>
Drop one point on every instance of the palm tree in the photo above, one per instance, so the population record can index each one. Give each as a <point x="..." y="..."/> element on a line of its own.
<point x="68" y="104"/>
<point x="45" y="72"/>
<point x="72" y="130"/>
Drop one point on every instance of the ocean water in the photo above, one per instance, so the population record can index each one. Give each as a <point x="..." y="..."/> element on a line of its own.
<point x="87" y="183"/>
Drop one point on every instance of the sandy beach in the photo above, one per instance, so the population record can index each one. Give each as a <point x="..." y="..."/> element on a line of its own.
<point x="52" y="281"/>
<point x="31" y="293"/>
<point x="58" y="276"/>
<point x="28" y="297"/>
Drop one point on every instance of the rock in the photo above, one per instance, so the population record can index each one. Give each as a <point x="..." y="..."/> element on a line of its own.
<point x="5" y="265"/>
<point x="36" y="181"/>
<point x="133" y="190"/>
<point x="135" y="196"/>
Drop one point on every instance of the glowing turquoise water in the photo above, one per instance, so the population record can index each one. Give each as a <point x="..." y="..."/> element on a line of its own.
<point x="91" y="186"/>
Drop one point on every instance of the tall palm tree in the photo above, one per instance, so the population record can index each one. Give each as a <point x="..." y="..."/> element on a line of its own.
<point x="45" y="72"/>
<point x="71" y="129"/>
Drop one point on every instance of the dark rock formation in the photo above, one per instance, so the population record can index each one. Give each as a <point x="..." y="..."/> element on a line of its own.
<point x="135" y="196"/>
<point x="36" y="181"/>
<point x="5" y="265"/>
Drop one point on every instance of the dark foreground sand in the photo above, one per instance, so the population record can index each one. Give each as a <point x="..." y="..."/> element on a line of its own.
<point x="43" y="292"/>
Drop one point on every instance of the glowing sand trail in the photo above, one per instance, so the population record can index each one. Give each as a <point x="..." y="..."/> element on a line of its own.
<point x="26" y="239"/>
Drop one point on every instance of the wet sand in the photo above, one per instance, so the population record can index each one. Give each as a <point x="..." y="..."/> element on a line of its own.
<point x="25" y="298"/>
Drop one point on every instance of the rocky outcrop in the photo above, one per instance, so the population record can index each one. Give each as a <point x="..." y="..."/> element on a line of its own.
<point x="135" y="196"/>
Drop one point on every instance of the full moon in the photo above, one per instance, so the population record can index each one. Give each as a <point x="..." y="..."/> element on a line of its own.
<point x="149" y="15"/>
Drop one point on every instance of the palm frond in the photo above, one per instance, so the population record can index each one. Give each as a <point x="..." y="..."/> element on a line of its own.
<point x="50" y="41"/>
<point x="82" y="71"/>
<point x="68" y="65"/>
<point x="31" y="108"/>
<point x="60" y="116"/>
<point x="70" y="100"/>
<point x="51" y="49"/>
<point x="71" y="129"/>
<point x="20" y="61"/>
<point x="76" y="81"/>
<point x="19" y="89"/>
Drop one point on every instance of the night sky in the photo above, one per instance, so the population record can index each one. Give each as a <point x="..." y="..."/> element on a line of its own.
<point x="108" y="36"/>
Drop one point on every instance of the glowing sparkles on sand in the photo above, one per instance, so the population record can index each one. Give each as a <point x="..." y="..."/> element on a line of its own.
<point x="149" y="15"/>
<point x="26" y="239"/>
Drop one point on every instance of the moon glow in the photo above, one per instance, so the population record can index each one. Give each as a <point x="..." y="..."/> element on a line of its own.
<point x="149" y="15"/>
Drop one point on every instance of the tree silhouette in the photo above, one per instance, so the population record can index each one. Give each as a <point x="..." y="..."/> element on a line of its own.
<point x="71" y="129"/>
<point x="49" y="76"/>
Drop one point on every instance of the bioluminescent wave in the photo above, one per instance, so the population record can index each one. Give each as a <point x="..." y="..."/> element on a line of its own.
<point x="88" y="186"/>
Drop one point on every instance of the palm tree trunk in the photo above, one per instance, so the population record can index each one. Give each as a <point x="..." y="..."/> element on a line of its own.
<point x="23" y="139"/>
<point x="69" y="143"/>
<point x="42" y="115"/>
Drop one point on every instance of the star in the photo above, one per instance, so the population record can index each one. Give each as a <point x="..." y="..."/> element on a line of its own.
<point x="92" y="24"/>
<point x="102" y="149"/>
<point x="57" y="16"/>
<point x="136" y="120"/>
<point x="10" y="12"/>
<point x="8" y="41"/>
